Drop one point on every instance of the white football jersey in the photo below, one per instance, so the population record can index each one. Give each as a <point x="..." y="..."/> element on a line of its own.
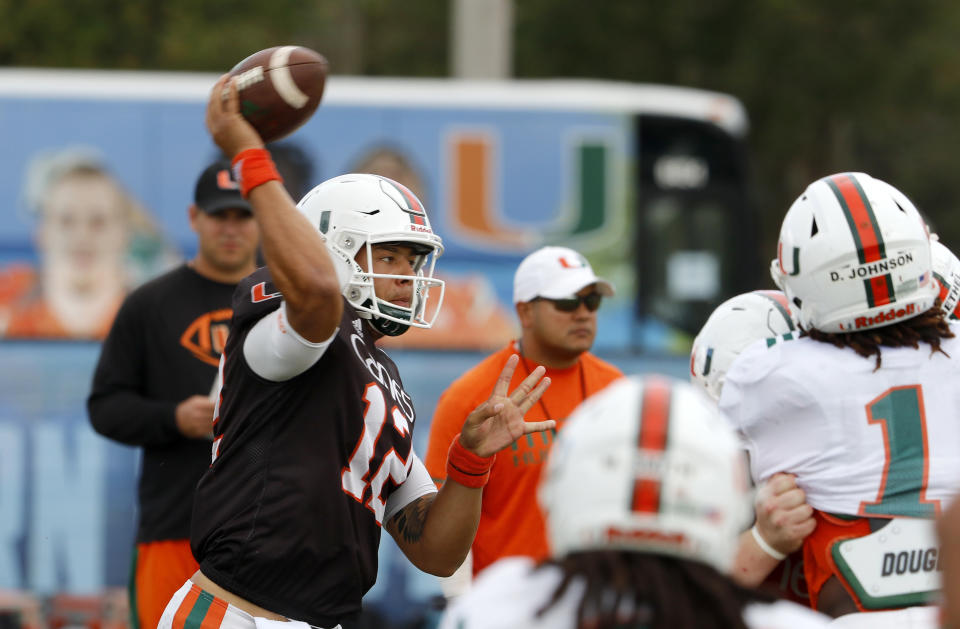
<point x="508" y="594"/>
<point x="861" y="441"/>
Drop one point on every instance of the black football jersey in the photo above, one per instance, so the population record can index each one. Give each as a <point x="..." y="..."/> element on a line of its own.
<point x="289" y="514"/>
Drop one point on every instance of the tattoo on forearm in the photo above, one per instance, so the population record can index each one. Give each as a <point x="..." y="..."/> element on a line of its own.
<point x="412" y="518"/>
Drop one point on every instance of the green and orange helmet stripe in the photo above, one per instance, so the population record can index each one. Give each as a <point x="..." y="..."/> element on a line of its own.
<point x="652" y="437"/>
<point x="944" y="293"/>
<point x="944" y="286"/>
<point x="780" y="302"/>
<point x="414" y="208"/>
<point x="866" y="234"/>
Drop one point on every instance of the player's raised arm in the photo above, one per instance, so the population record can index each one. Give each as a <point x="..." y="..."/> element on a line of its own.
<point x="299" y="264"/>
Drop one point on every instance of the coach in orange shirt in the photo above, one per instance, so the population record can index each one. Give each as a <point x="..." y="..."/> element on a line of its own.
<point x="556" y="295"/>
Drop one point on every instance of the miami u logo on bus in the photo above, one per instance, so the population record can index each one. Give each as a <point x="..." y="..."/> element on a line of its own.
<point x="585" y="190"/>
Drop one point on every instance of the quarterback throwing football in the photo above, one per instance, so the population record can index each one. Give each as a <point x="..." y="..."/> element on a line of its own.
<point x="312" y="449"/>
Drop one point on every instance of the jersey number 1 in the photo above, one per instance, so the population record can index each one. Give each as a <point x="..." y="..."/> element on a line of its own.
<point x="900" y="412"/>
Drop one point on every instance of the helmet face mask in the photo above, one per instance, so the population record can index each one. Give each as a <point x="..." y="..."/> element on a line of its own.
<point x="356" y="213"/>
<point x="389" y="318"/>
<point x="854" y="254"/>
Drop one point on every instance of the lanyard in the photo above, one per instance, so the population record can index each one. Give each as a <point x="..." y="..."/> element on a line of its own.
<point x="583" y="381"/>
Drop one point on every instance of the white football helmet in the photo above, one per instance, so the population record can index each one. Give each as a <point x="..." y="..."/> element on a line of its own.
<point x="734" y="324"/>
<point x="854" y="254"/>
<point x="648" y="464"/>
<point x="946" y="270"/>
<point x="360" y="210"/>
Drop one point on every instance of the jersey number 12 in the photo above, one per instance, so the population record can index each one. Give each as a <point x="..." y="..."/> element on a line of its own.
<point x="356" y="476"/>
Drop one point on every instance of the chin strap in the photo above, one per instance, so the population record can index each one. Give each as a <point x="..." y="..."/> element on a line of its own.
<point x="386" y="326"/>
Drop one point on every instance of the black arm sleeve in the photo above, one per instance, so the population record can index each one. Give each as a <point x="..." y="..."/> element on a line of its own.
<point x="117" y="404"/>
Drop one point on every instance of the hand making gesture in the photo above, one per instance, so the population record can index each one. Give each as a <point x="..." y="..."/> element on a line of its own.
<point x="498" y="422"/>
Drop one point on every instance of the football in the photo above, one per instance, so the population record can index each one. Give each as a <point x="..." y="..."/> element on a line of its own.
<point x="280" y="88"/>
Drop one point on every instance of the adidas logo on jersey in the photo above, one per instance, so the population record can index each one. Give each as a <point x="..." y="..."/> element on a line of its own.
<point x="358" y="326"/>
<point x="885" y="317"/>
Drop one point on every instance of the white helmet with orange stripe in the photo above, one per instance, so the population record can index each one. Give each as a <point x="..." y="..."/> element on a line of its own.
<point x="946" y="270"/>
<point x="734" y="324"/>
<point x="649" y="464"/>
<point x="854" y="254"/>
<point x="360" y="210"/>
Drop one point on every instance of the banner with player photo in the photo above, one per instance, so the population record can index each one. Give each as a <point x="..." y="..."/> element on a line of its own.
<point x="497" y="183"/>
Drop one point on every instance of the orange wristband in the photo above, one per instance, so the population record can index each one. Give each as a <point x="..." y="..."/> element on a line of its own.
<point x="252" y="168"/>
<point x="467" y="468"/>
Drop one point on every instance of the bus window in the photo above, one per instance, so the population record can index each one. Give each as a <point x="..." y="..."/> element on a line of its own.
<point x="696" y="228"/>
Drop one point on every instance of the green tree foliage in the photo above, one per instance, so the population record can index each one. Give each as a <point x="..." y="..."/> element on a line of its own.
<point x="829" y="86"/>
<point x="359" y="36"/>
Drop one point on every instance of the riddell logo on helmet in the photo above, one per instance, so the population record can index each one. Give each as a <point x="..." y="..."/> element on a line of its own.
<point x="884" y="317"/>
<point x="613" y="534"/>
<point x="420" y="228"/>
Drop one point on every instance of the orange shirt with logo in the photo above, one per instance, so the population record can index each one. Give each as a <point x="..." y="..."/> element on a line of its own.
<point x="510" y="520"/>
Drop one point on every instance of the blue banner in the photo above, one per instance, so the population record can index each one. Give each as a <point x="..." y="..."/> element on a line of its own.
<point x="497" y="182"/>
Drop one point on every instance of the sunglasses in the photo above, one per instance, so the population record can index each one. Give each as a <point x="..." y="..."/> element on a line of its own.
<point x="569" y="304"/>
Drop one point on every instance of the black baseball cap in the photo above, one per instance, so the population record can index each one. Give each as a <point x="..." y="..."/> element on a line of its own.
<point x="217" y="190"/>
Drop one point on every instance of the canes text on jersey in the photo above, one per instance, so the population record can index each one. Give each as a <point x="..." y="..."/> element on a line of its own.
<point x="381" y="375"/>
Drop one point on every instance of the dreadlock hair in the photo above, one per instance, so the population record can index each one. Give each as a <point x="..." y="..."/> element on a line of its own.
<point x="628" y="589"/>
<point x="928" y="327"/>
